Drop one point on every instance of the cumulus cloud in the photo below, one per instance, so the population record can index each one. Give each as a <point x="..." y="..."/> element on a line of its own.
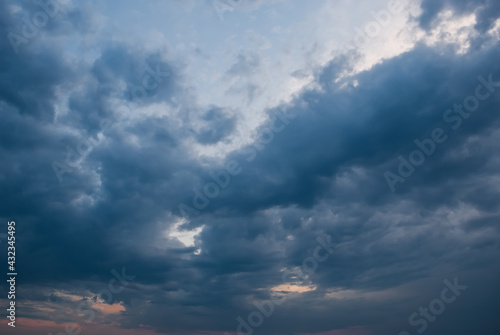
<point x="104" y="136"/>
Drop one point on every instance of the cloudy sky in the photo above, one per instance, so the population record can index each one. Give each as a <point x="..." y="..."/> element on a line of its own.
<point x="285" y="167"/>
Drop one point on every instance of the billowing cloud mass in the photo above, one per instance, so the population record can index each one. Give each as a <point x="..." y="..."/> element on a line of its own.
<point x="251" y="167"/>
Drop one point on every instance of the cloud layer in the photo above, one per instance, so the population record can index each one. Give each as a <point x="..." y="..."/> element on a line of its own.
<point x="112" y="158"/>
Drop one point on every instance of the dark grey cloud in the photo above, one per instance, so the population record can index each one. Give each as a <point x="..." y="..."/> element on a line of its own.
<point x="487" y="11"/>
<point x="218" y="125"/>
<point x="322" y="174"/>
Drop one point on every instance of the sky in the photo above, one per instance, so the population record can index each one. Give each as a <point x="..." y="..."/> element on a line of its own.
<point x="285" y="167"/>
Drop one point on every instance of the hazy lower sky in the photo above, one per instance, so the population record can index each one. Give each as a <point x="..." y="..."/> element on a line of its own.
<point x="214" y="167"/>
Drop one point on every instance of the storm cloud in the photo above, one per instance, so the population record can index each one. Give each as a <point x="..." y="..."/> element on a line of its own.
<point x="159" y="141"/>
